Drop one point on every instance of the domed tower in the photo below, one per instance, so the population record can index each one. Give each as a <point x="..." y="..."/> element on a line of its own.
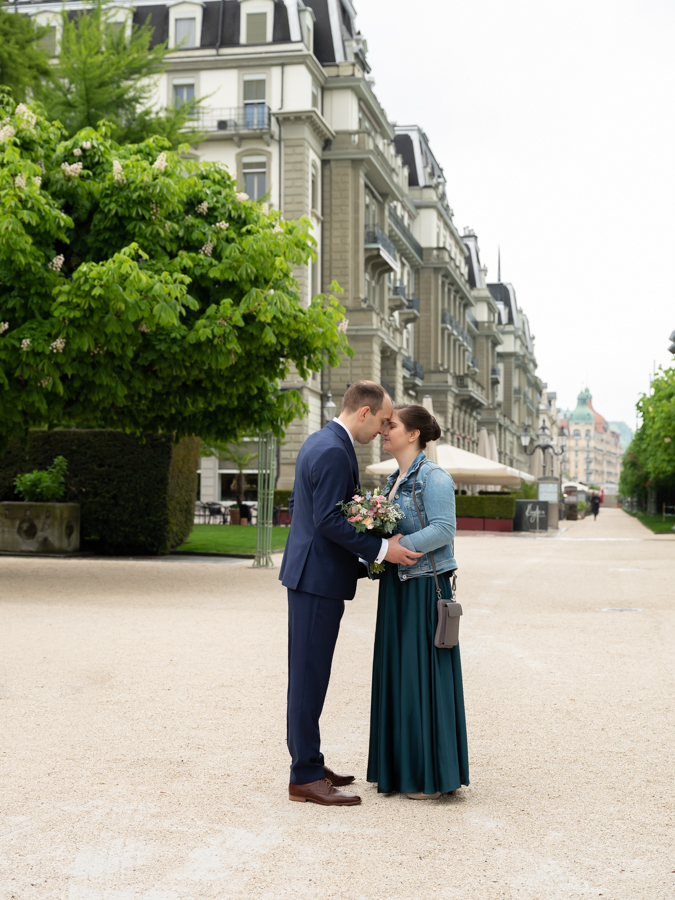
<point x="582" y="428"/>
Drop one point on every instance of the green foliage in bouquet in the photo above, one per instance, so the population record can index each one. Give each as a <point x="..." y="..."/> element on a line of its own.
<point x="140" y="291"/>
<point x="371" y="511"/>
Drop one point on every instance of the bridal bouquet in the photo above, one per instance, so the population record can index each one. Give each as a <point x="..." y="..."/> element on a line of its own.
<point x="371" y="511"/>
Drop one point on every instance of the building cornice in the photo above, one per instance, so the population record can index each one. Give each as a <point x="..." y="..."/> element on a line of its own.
<point x="311" y="117"/>
<point x="235" y="57"/>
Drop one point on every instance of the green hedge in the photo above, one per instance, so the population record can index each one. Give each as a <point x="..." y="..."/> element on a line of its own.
<point x="281" y="498"/>
<point x="135" y="497"/>
<point x="484" y="506"/>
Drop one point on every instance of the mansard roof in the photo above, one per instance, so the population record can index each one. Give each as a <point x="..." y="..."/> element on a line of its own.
<point x="336" y="38"/>
<point x="413" y="145"/>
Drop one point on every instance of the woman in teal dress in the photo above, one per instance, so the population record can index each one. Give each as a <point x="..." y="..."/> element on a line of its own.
<point x="418" y="740"/>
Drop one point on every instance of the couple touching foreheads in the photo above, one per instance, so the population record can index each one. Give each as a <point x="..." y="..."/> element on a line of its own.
<point x="417" y="725"/>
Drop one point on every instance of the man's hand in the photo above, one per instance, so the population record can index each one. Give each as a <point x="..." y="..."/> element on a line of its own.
<point x="398" y="554"/>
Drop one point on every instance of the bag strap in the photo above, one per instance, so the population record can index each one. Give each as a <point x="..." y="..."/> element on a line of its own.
<point x="419" y="515"/>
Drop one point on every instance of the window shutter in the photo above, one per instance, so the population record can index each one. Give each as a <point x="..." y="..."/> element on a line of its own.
<point x="254" y="89"/>
<point x="256" y="28"/>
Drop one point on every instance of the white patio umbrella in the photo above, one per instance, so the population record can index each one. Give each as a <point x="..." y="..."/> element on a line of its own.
<point x="483" y="443"/>
<point x="465" y="468"/>
<point x="494" y="453"/>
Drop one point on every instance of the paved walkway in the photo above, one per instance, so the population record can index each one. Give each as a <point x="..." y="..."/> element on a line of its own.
<point x="143" y="756"/>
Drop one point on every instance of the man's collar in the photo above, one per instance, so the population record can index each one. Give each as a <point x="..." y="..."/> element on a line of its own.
<point x="351" y="436"/>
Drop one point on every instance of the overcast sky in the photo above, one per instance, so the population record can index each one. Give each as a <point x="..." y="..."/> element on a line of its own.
<point x="554" y="124"/>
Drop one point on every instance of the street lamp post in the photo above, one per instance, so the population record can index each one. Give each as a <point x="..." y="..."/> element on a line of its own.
<point x="329" y="408"/>
<point x="548" y="487"/>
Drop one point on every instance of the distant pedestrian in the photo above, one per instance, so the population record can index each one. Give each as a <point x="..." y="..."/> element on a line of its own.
<point x="595" y="505"/>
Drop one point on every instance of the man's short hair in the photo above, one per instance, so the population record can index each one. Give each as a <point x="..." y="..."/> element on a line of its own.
<point x="364" y="393"/>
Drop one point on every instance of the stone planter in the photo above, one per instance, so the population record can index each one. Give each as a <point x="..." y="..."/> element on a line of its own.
<point x="39" y="527"/>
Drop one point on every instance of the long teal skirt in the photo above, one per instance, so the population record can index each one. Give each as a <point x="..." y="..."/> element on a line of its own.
<point x="417" y="723"/>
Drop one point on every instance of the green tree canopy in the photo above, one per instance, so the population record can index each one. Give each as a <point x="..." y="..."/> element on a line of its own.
<point x="109" y="72"/>
<point x="140" y="291"/>
<point x="649" y="461"/>
<point x="23" y="60"/>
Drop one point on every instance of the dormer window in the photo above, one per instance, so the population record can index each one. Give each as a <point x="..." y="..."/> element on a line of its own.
<point x="256" y="28"/>
<point x="186" y="32"/>
<point x="185" y="24"/>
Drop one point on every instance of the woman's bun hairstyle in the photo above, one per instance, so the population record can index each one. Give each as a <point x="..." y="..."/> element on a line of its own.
<point x="417" y="418"/>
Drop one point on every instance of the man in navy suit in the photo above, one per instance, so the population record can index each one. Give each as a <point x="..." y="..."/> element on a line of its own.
<point x="320" y="569"/>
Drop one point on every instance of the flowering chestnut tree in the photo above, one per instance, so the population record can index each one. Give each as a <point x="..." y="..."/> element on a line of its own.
<point x="140" y="291"/>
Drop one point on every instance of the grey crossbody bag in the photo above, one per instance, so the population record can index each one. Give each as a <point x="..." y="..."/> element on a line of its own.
<point x="449" y="611"/>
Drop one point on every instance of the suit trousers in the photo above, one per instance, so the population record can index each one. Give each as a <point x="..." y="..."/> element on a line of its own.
<point x="313" y="627"/>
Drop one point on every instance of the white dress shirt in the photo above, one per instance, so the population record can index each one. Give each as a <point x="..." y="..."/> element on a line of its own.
<point x="385" y="546"/>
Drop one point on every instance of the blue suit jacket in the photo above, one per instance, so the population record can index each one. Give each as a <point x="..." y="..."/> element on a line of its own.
<point x="322" y="550"/>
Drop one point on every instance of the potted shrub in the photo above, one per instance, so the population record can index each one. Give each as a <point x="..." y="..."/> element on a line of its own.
<point x="40" y="523"/>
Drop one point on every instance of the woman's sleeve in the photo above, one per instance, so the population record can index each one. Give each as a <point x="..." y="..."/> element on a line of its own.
<point x="439" y="505"/>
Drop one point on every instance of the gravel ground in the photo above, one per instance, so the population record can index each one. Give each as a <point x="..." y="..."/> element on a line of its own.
<point x="143" y="712"/>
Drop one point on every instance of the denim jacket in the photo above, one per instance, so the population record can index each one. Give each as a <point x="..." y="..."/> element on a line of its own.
<point x="435" y="492"/>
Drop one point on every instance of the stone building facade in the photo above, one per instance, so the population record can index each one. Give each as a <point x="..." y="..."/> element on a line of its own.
<point x="594" y="452"/>
<point x="290" y="109"/>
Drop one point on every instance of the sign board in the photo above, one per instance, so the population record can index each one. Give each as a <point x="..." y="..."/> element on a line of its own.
<point x="531" y="515"/>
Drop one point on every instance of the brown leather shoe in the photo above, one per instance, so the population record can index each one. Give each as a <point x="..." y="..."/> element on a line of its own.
<point x="337" y="780"/>
<point x="323" y="793"/>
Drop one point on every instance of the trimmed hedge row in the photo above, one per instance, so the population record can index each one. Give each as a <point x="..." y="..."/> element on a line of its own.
<point x="281" y="498"/>
<point x="484" y="506"/>
<point x="135" y="496"/>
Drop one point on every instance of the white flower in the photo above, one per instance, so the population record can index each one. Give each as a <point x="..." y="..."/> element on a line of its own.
<point x="221" y="322"/>
<point x="37" y="180"/>
<point x="143" y="327"/>
<point x="72" y="170"/>
<point x="222" y="225"/>
<point x="3" y="327"/>
<point x="7" y="131"/>
<point x="41" y="163"/>
<point x="86" y="145"/>
<point x="160" y="163"/>
<point x="203" y="208"/>
<point x="77" y="151"/>
<point x="154" y="208"/>
<point x="25" y="343"/>
<point x="343" y="325"/>
<point x="27" y="119"/>
<point x="58" y="345"/>
<point x="207" y="249"/>
<point x="45" y="382"/>
<point x="167" y="227"/>
<point x="265" y="209"/>
<point x="20" y="180"/>
<point x="118" y="172"/>
<point x="242" y="197"/>
<point x="57" y="262"/>
<point x="277" y="229"/>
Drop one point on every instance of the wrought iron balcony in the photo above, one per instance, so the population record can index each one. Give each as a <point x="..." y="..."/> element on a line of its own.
<point x="472" y="319"/>
<point x="446" y="318"/>
<point x="398" y="290"/>
<point x="416" y="369"/>
<point x="233" y="119"/>
<point x="389" y="388"/>
<point x="376" y="237"/>
<point x="404" y="233"/>
<point x="413" y="302"/>
<point x="495" y="375"/>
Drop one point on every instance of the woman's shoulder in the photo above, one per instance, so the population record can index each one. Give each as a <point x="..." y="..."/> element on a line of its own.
<point x="436" y="473"/>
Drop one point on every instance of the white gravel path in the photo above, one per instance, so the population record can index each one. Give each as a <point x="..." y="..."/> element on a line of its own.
<point x="142" y="706"/>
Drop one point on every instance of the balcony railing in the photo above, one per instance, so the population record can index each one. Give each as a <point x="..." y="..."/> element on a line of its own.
<point x="405" y="232"/>
<point x="446" y="318"/>
<point x="375" y="236"/>
<point x="389" y="388"/>
<point x="495" y="374"/>
<point x="471" y="318"/>
<point x="415" y="368"/>
<point x="398" y="290"/>
<point x="252" y="117"/>
<point x="413" y="302"/>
